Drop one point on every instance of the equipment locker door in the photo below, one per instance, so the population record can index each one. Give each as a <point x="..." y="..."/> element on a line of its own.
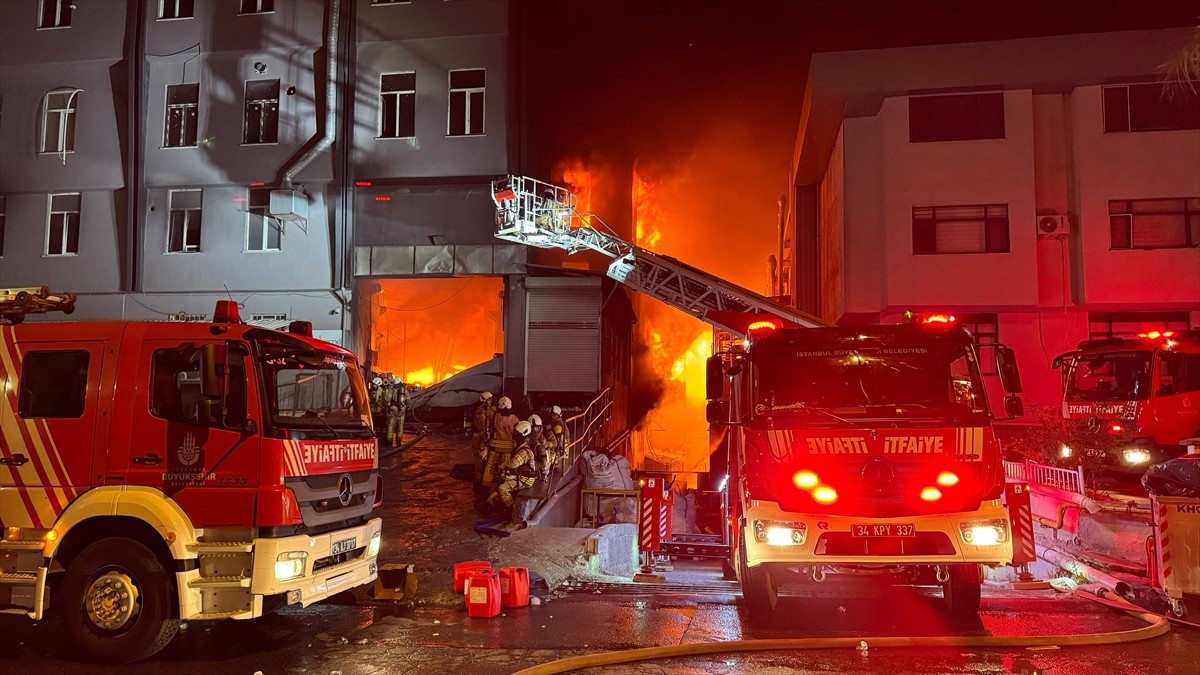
<point x="47" y="428"/>
<point x="210" y="469"/>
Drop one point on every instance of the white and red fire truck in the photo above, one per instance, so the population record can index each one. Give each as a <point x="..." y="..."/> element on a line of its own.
<point x="1130" y="402"/>
<point x="861" y="451"/>
<point x="155" y="472"/>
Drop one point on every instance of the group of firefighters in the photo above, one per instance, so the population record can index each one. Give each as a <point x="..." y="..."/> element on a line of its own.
<point x="511" y="453"/>
<point x="389" y="400"/>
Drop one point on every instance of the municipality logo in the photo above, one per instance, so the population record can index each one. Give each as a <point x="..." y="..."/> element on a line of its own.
<point x="189" y="452"/>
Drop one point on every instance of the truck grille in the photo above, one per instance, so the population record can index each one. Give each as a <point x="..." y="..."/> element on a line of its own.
<point x="844" y="544"/>
<point x="320" y="503"/>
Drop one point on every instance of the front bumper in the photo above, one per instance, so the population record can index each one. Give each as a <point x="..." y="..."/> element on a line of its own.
<point x="823" y="530"/>
<point x="336" y="573"/>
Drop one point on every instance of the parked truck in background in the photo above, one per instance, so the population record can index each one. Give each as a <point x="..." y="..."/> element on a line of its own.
<point x="861" y="451"/>
<point x="154" y="472"/>
<point x="1130" y="402"/>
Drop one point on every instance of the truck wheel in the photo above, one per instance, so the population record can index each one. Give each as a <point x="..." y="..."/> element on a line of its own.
<point x="118" y="602"/>
<point x="961" y="590"/>
<point x="757" y="590"/>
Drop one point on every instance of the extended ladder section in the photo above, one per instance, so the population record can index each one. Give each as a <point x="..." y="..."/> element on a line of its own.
<point x="15" y="303"/>
<point x="539" y="214"/>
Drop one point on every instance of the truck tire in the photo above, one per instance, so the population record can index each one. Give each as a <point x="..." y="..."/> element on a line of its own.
<point x="961" y="591"/>
<point x="758" y="592"/>
<point x="118" y="601"/>
<point x="728" y="571"/>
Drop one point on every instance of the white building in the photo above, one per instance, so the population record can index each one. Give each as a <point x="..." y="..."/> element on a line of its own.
<point x="1046" y="190"/>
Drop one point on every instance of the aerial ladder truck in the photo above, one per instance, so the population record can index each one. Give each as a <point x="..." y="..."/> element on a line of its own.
<point x="850" y="451"/>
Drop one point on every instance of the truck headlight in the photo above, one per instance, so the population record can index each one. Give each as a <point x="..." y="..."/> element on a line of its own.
<point x="779" y="533"/>
<point x="1135" y="456"/>
<point x="373" y="547"/>
<point x="290" y="565"/>
<point x="1065" y="452"/>
<point x="984" y="532"/>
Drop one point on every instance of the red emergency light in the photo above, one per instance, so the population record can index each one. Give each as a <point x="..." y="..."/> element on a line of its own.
<point x="763" y="327"/>
<point x="300" y="328"/>
<point x="362" y="183"/>
<point x="257" y="183"/>
<point x="1116" y="427"/>
<point x="939" y="319"/>
<point x="383" y="198"/>
<point x="226" y="312"/>
<point x="947" y="479"/>
<point x="1154" y="335"/>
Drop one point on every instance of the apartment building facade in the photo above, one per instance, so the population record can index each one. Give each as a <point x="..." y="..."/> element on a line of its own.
<point x="1045" y="190"/>
<point x="144" y="141"/>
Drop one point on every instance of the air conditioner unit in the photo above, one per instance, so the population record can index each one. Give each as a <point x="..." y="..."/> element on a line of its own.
<point x="289" y="205"/>
<point x="1053" y="226"/>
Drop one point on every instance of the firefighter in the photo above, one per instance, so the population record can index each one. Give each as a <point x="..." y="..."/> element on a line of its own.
<point x="485" y="412"/>
<point x="395" y="418"/>
<point x="517" y="473"/>
<point x="500" y="445"/>
<point x="558" y="429"/>
<point x="542" y="443"/>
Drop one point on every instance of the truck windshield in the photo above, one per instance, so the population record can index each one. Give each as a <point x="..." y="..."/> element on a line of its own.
<point x="869" y="382"/>
<point x="313" y="390"/>
<point x="1112" y="376"/>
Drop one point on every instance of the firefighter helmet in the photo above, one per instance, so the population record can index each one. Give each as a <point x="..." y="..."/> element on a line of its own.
<point x="505" y="403"/>
<point x="523" y="429"/>
<point x="535" y="420"/>
<point x="378" y="381"/>
<point x="556" y="410"/>
<point x="485" y="396"/>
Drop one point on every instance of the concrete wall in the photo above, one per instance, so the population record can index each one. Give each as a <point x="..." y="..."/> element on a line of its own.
<point x="1139" y="165"/>
<point x="831" y="238"/>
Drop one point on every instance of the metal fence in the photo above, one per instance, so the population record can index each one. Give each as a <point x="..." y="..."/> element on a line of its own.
<point x="1029" y="471"/>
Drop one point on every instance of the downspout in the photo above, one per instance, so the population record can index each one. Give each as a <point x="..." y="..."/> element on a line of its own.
<point x="779" y="264"/>
<point x="134" y="188"/>
<point x="326" y="140"/>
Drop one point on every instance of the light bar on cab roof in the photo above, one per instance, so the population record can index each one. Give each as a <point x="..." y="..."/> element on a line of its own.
<point x="1154" y="335"/>
<point x="939" y="319"/>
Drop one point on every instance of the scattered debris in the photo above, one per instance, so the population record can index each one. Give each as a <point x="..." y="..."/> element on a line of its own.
<point x="436" y="621"/>
<point x="343" y="641"/>
<point x="361" y="641"/>
<point x="182" y="625"/>
<point x="535" y="600"/>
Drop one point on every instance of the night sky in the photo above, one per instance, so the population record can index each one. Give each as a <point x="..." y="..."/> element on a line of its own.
<point x="614" y="80"/>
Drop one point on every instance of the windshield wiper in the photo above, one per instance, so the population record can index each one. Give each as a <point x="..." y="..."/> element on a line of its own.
<point x="325" y="424"/>
<point x="807" y="408"/>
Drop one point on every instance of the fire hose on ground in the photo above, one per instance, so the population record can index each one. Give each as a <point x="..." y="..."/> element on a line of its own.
<point x="1155" y="625"/>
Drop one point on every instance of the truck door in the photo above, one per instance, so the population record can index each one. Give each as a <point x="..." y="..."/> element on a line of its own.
<point x="47" y="428"/>
<point x="210" y="468"/>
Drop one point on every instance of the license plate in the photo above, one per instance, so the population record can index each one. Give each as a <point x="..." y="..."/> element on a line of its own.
<point x="1095" y="452"/>
<point x="343" y="546"/>
<point x="883" y="530"/>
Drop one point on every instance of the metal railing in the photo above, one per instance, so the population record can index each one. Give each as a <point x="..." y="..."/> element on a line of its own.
<point x="1032" y="472"/>
<point x="583" y="432"/>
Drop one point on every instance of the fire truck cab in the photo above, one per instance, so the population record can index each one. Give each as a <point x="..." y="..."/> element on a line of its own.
<point x="154" y="472"/>
<point x="861" y="451"/>
<point x="1130" y="402"/>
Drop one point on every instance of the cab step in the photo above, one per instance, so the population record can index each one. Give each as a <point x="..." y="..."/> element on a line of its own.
<point x="21" y="544"/>
<point x="18" y="578"/>
<point x="228" y="581"/>
<point x="220" y="547"/>
<point x="232" y="614"/>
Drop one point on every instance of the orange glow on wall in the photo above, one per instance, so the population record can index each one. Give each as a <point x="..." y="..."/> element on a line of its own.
<point x="425" y="330"/>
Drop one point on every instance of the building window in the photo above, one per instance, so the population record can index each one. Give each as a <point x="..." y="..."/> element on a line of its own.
<point x="55" y="13"/>
<point x="62" y="227"/>
<point x="1154" y="223"/>
<point x="397" y="105"/>
<point x="257" y="7"/>
<point x="183" y="102"/>
<point x="183" y="226"/>
<point x="175" y="9"/>
<point x="1102" y="325"/>
<point x="466" y="102"/>
<point x="58" y="121"/>
<point x="960" y="229"/>
<point x="985" y="328"/>
<point x="254" y="318"/>
<point x="262" y="230"/>
<point x="53" y="384"/>
<point x="3" y="210"/>
<point x="262" y="112"/>
<point x="958" y="117"/>
<point x="1149" y="107"/>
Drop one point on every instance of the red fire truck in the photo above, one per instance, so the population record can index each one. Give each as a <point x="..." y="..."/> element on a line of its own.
<point x="861" y="451"/>
<point x="1130" y="402"/>
<point x="155" y="472"/>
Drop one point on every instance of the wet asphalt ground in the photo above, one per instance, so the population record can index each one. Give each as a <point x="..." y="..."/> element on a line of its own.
<point x="428" y="522"/>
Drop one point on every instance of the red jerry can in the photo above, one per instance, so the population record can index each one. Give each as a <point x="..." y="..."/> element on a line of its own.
<point x="514" y="586"/>
<point x="482" y="594"/>
<point x="463" y="570"/>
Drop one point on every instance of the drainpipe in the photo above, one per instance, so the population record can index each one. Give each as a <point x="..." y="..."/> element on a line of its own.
<point x="326" y="140"/>
<point x="1056" y="557"/>
<point x="782" y="220"/>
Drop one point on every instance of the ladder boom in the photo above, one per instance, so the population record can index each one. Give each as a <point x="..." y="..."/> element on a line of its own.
<point x="539" y="214"/>
<point x="15" y="303"/>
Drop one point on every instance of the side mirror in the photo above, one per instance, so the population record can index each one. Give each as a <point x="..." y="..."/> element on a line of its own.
<point x="717" y="412"/>
<point x="1006" y="365"/>
<point x="714" y="379"/>
<point x="1014" y="407"/>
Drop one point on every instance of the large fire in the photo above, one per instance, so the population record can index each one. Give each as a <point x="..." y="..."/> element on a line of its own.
<point x="426" y="330"/>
